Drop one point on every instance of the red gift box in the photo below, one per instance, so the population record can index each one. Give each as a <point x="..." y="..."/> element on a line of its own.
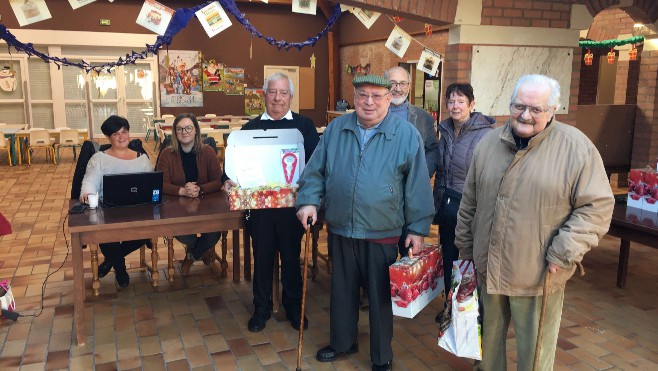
<point x="650" y="197"/>
<point x="416" y="281"/>
<point x="636" y="188"/>
<point x="261" y="197"/>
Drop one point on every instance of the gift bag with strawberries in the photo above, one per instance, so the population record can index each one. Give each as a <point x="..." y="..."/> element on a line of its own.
<point x="6" y="297"/>
<point x="460" y="333"/>
<point x="416" y="281"/>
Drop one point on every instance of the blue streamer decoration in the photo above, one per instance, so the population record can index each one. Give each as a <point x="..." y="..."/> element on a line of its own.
<point x="180" y="20"/>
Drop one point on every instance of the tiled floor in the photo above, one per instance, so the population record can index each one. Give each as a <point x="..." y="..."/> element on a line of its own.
<point x="200" y="322"/>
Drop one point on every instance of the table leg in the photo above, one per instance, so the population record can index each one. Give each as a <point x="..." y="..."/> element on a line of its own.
<point x="170" y="258"/>
<point x="622" y="269"/>
<point x="224" y="263"/>
<point x="95" y="283"/>
<point x="154" y="263"/>
<point x="78" y="289"/>
<point x="236" y="256"/>
<point x="247" y="255"/>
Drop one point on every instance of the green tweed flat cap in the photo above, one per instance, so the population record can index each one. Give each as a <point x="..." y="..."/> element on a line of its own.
<point x="375" y="80"/>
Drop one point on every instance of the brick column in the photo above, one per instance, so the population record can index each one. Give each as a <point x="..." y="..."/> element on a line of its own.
<point x="645" y="140"/>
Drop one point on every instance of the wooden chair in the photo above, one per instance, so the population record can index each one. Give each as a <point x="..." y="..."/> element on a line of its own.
<point x="68" y="138"/>
<point x="150" y="128"/>
<point x="218" y="135"/>
<point x="210" y="115"/>
<point x="4" y="145"/>
<point x="40" y="139"/>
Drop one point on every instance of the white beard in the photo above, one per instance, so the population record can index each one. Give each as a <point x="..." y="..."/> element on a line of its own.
<point x="398" y="101"/>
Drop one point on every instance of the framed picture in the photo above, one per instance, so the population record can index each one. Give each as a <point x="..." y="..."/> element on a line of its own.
<point x="398" y="41"/>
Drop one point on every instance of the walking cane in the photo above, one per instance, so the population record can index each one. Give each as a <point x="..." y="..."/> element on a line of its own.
<point x="301" y="321"/>
<point x="542" y="317"/>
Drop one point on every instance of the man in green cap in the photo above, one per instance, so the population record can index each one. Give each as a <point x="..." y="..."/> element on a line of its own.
<point x="369" y="169"/>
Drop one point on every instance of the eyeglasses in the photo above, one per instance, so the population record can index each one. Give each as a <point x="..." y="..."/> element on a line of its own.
<point x="187" y="129"/>
<point x="520" y="108"/>
<point x="375" y="97"/>
<point x="401" y="84"/>
<point x="282" y="93"/>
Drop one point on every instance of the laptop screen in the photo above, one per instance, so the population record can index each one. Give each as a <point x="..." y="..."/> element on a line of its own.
<point x="132" y="189"/>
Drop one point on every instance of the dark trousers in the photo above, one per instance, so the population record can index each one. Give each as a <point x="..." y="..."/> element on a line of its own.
<point x="356" y="263"/>
<point x="116" y="252"/>
<point x="276" y="230"/>
<point x="450" y="253"/>
<point x="198" y="245"/>
<point x="404" y="251"/>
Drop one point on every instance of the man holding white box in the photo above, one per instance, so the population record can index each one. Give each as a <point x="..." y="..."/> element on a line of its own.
<point x="277" y="229"/>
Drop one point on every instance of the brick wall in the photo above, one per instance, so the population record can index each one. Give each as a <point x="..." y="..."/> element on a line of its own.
<point x="609" y="24"/>
<point x="645" y="141"/>
<point x="527" y="13"/>
<point x="589" y="77"/>
<point x="381" y="59"/>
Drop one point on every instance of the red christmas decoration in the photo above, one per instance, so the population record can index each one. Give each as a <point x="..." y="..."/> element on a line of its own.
<point x="589" y="57"/>
<point x="632" y="54"/>
<point x="397" y="19"/>
<point x="611" y="56"/>
<point x="428" y="29"/>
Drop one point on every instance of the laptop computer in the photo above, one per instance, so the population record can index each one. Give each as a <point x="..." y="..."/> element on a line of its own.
<point x="132" y="189"/>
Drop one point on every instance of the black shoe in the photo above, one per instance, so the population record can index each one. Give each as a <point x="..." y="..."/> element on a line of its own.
<point x="439" y="316"/>
<point x="294" y="322"/>
<point x="385" y="367"/>
<point x="123" y="279"/>
<point x="104" y="268"/>
<point x="329" y="354"/>
<point x="257" y="322"/>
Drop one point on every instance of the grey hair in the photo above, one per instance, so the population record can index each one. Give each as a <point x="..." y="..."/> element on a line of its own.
<point x="388" y="72"/>
<point x="277" y="76"/>
<point x="540" y="80"/>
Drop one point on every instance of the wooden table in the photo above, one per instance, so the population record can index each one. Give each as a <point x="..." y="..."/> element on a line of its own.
<point x="175" y="216"/>
<point x="630" y="224"/>
<point x="10" y="131"/>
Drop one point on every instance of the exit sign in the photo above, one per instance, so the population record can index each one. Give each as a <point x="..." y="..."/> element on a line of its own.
<point x="104" y="22"/>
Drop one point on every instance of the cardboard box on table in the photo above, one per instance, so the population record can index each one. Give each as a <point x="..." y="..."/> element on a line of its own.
<point x="416" y="281"/>
<point x="266" y="164"/>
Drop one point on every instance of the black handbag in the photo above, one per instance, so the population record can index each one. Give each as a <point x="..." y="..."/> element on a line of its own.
<point x="447" y="213"/>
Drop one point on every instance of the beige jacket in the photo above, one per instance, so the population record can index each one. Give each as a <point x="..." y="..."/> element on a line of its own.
<point x="550" y="202"/>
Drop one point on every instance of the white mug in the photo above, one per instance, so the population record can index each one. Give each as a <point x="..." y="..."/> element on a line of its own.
<point x="92" y="200"/>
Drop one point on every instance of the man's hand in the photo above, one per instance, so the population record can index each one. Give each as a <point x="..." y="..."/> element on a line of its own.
<point x="305" y="212"/>
<point x="553" y="268"/>
<point x="415" y="243"/>
<point x="228" y="185"/>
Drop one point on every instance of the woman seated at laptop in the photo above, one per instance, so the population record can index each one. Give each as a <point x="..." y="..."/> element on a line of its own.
<point x="118" y="159"/>
<point x="191" y="169"/>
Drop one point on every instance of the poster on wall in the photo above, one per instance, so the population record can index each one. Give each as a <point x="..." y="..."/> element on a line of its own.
<point x="30" y="11"/>
<point x="367" y="17"/>
<point x="155" y="16"/>
<point x="213" y="18"/>
<point x="233" y="81"/>
<point x="75" y="4"/>
<point x="213" y="74"/>
<point x="304" y="6"/>
<point x="180" y="73"/>
<point x="398" y="41"/>
<point x="253" y="101"/>
<point x="429" y="62"/>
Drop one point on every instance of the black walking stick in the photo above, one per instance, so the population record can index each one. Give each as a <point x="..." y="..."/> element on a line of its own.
<point x="301" y="320"/>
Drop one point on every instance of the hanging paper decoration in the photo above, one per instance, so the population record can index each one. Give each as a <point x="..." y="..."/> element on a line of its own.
<point x="8" y="78"/>
<point x="398" y="41"/>
<point x="213" y="18"/>
<point x="610" y="43"/>
<point x="632" y="54"/>
<point x="367" y="17"/>
<point x="312" y="59"/>
<point x="155" y="16"/>
<point x="353" y="70"/>
<point x="611" y="56"/>
<point x="180" y="20"/>
<point x="30" y="11"/>
<point x="75" y="4"/>
<point x="304" y="6"/>
<point x="429" y="61"/>
<point x="589" y="57"/>
<point x="397" y="19"/>
<point x="428" y="29"/>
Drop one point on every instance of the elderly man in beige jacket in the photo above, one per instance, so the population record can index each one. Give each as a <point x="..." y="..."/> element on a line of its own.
<point x="536" y="198"/>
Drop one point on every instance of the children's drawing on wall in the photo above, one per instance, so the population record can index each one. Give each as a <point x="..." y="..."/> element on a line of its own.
<point x="233" y="81"/>
<point x="180" y="78"/>
<point x="253" y="101"/>
<point x="213" y="74"/>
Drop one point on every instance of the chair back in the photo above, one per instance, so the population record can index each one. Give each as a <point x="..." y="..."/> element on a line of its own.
<point x="218" y="135"/>
<point x="168" y="116"/>
<point x="39" y="138"/>
<point x="68" y="137"/>
<point x="210" y="115"/>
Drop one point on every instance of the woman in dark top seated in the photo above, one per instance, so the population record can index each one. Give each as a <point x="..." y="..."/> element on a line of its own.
<point x="191" y="169"/>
